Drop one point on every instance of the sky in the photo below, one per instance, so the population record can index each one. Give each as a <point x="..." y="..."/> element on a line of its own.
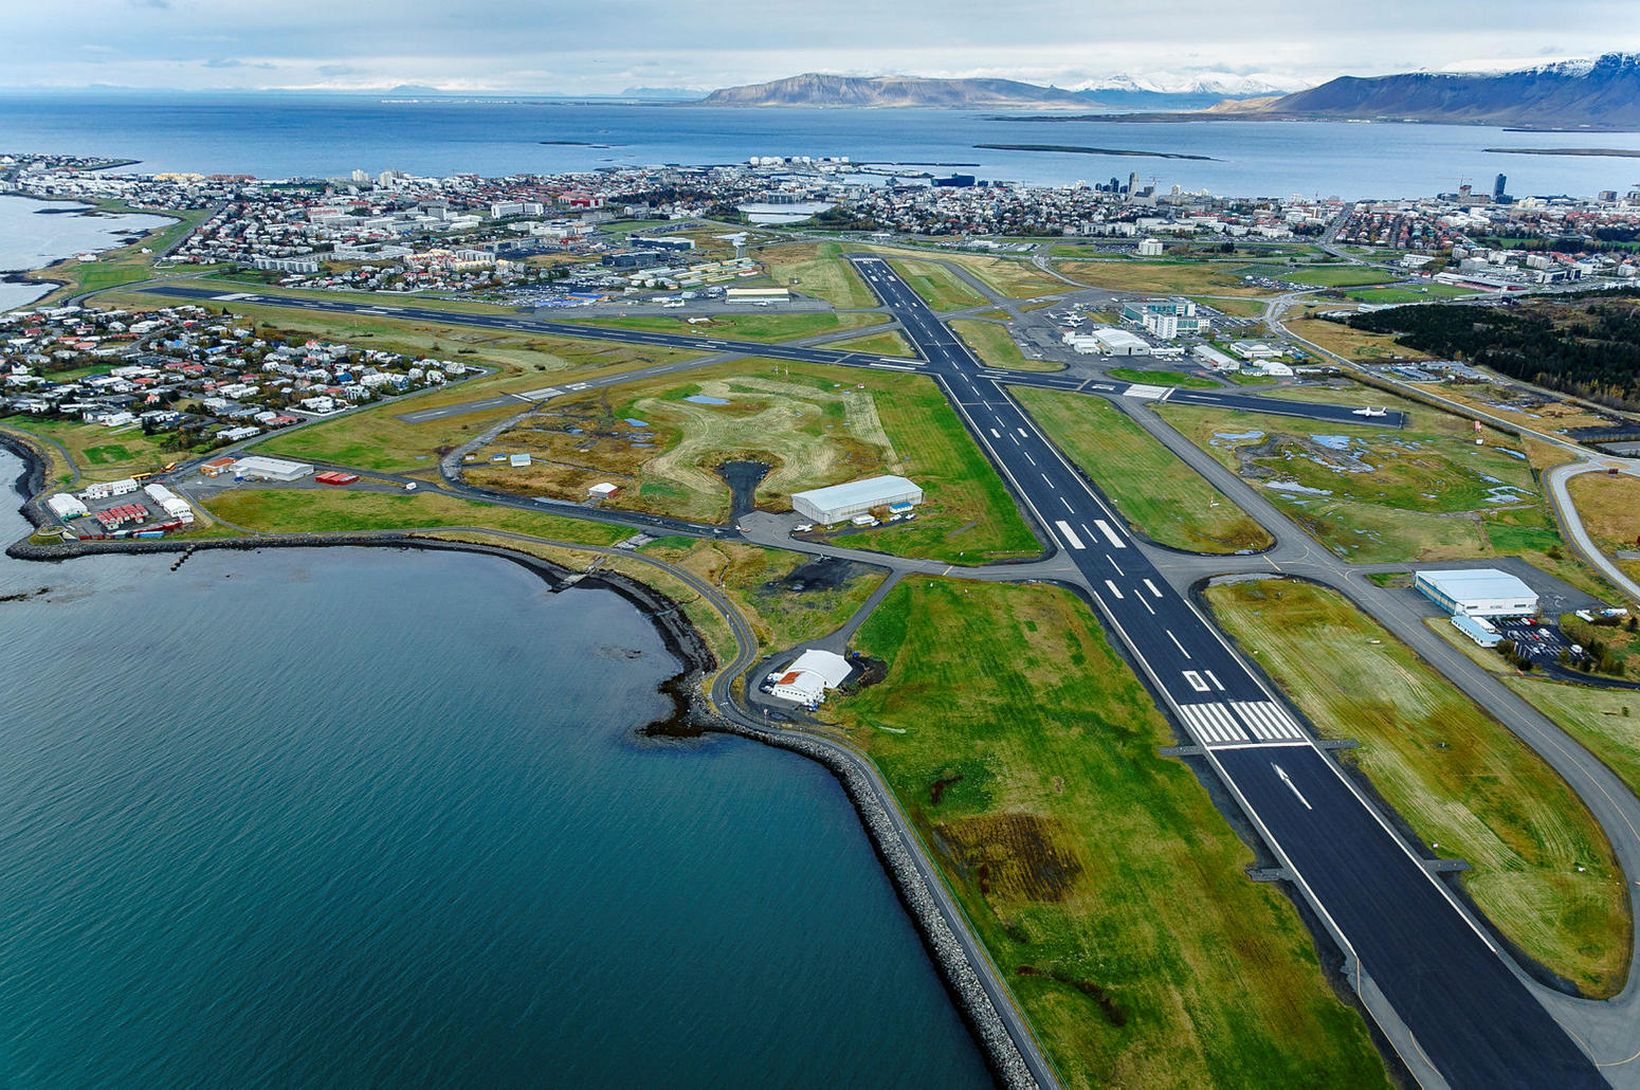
<point x="608" y="46"/>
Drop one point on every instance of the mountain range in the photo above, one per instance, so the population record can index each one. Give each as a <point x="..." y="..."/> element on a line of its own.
<point x="1599" y="93"/>
<point x="1116" y="93"/>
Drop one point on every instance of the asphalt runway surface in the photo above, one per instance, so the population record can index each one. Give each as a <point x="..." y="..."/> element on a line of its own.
<point x="1472" y="1018"/>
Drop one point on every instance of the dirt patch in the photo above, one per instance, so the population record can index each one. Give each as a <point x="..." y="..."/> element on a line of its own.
<point x="742" y="478"/>
<point x="822" y="574"/>
<point x="1015" y="856"/>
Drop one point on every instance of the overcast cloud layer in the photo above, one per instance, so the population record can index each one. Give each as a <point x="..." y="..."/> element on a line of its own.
<point x="606" y="46"/>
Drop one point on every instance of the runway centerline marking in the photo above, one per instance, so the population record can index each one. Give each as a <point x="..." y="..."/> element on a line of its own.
<point x="1177" y="644"/>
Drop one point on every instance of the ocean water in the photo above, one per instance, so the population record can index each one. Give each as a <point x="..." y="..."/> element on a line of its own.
<point x="282" y="135"/>
<point x="36" y="233"/>
<point x="376" y="818"/>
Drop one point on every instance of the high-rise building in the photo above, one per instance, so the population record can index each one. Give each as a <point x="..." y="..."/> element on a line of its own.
<point x="1498" y="186"/>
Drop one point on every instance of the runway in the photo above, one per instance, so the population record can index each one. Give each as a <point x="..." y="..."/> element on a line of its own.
<point x="715" y="347"/>
<point x="1472" y="1018"/>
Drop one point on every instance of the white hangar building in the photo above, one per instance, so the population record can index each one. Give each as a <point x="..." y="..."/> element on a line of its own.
<point x="1477" y="592"/>
<point x="841" y="502"/>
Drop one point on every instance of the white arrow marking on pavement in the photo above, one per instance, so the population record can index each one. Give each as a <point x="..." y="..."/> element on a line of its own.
<point x="1288" y="780"/>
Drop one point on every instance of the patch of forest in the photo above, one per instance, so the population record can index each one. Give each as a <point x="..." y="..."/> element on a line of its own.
<point x="1582" y="345"/>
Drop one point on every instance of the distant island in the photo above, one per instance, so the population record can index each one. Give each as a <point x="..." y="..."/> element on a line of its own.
<point x="1615" y="153"/>
<point x="1076" y="149"/>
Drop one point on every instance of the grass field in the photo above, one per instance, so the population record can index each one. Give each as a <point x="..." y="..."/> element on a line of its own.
<point x="1157" y="494"/>
<point x="1419" y="294"/>
<point x="1106" y="886"/>
<point x="745" y="327"/>
<point x="1320" y="276"/>
<point x="1236" y="308"/>
<point x="786" y="598"/>
<point x="1543" y="871"/>
<point x="1162" y="277"/>
<point x="817" y="269"/>
<point x="939" y="287"/>
<point x="1425" y="492"/>
<point x="994" y="345"/>
<point x="102" y="454"/>
<point x="814" y="425"/>
<point x="1609" y="508"/>
<point x="314" y="510"/>
<point x="1163" y="378"/>
<point x="888" y="343"/>
<point x="1352" y="344"/>
<point x="1013" y="277"/>
<point x="1605" y="721"/>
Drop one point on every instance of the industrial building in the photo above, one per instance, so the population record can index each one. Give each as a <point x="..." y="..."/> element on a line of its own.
<point x="1477" y="592"/>
<point x="806" y="680"/>
<point x="66" y="507"/>
<point x="841" y="502"/>
<point x="1105" y="341"/>
<point x="257" y="468"/>
<point x="1176" y="316"/>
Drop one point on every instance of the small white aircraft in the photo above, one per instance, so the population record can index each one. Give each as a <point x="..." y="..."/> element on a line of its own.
<point x="1370" y="411"/>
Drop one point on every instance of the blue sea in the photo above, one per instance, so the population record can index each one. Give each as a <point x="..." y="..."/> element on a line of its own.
<point x="284" y="135"/>
<point x="377" y="818"/>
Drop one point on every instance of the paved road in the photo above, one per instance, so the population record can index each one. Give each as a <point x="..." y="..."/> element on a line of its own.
<point x="1571" y="522"/>
<point x="715" y="349"/>
<point x="1473" y="1021"/>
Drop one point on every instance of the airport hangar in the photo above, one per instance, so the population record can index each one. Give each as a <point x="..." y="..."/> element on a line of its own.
<point x="841" y="502"/>
<point x="1477" y="592"/>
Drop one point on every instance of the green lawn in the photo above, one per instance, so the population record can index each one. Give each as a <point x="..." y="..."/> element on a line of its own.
<point x="101" y="454"/>
<point x="1543" y="872"/>
<point x="1419" y="294"/>
<point x="1099" y="875"/>
<point x="1163" y="277"/>
<point x="1163" y="378"/>
<point x="1157" y="494"/>
<point x="312" y="510"/>
<point x="889" y="343"/>
<point x="993" y="344"/>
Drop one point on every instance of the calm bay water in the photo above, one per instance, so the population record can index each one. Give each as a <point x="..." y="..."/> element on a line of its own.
<point x="359" y="817"/>
<point x="36" y="233"/>
<point x="282" y="135"/>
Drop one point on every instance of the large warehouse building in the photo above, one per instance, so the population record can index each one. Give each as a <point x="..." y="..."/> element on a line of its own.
<point x="1477" y="592"/>
<point x="257" y="468"/>
<point x="841" y="502"/>
<point x="806" y="680"/>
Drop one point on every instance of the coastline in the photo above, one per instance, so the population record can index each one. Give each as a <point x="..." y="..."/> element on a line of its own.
<point x="691" y="715"/>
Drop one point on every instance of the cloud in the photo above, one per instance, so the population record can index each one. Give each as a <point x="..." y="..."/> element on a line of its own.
<point x="333" y="70"/>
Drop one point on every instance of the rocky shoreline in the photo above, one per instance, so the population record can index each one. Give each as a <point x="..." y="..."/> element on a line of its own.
<point x="691" y="715"/>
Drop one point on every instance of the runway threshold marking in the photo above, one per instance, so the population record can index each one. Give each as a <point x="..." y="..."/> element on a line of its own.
<point x="1288" y="780"/>
<point x="1110" y="535"/>
<point x="1070" y="535"/>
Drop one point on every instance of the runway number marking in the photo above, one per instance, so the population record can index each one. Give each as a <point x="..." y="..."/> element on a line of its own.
<point x="1217" y="684"/>
<point x="1288" y="780"/>
<point x="1070" y="535"/>
<point x="1196" y="682"/>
